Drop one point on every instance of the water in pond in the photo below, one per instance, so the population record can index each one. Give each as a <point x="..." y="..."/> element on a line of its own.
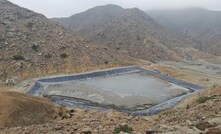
<point x="134" y="91"/>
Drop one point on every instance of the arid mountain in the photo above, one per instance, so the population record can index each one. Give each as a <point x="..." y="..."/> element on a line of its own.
<point x="32" y="45"/>
<point x="130" y="31"/>
<point x="198" y="27"/>
<point x="90" y="20"/>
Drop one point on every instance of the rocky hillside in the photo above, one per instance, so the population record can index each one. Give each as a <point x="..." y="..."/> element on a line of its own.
<point x="198" y="115"/>
<point x="90" y="20"/>
<point x="32" y="45"/>
<point x="129" y="31"/>
<point x="198" y="27"/>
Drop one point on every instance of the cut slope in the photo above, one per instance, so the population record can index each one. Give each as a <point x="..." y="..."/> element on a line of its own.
<point x="126" y="30"/>
<point x="32" y="45"/>
<point x="21" y="110"/>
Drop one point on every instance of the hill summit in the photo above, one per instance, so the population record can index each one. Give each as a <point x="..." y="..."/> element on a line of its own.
<point x="130" y="31"/>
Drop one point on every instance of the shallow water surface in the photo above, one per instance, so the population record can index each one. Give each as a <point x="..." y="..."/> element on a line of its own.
<point x="126" y="91"/>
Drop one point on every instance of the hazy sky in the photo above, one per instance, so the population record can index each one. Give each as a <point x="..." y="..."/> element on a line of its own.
<point x="64" y="8"/>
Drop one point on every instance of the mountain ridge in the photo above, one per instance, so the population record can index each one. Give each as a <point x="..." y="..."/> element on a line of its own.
<point x="122" y="29"/>
<point x="198" y="27"/>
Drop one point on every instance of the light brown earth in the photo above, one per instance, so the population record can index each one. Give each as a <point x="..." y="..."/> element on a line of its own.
<point x="191" y="73"/>
<point x="17" y="109"/>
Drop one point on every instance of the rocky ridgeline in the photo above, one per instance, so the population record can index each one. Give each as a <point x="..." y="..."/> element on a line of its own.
<point x="129" y="31"/>
<point x="32" y="45"/>
<point x="195" y="26"/>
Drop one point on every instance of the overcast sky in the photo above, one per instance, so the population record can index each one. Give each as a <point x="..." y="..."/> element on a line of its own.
<point x="65" y="8"/>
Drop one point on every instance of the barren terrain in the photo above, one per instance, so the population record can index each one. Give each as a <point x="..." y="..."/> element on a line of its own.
<point x="200" y="72"/>
<point x="33" y="46"/>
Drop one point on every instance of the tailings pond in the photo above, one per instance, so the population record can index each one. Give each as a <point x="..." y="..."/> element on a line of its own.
<point x="131" y="89"/>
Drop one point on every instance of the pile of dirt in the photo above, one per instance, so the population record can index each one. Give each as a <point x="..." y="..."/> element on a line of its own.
<point x="17" y="109"/>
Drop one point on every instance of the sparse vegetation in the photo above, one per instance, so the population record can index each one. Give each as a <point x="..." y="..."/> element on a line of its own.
<point x="106" y="62"/>
<point x="203" y="99"/>
<point x="123" y="128"/>
<point x="29" y="25"/>
<point x="35" y="47"/>
<point x="188" y="106"/>
<point x="138" y="37"/>
<point x="64" y="55"/>
<point x="118" y="48"/>
<point x="48" y="56"/>
<point x="63" y="47"/>
<point x="18" y="57"/>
